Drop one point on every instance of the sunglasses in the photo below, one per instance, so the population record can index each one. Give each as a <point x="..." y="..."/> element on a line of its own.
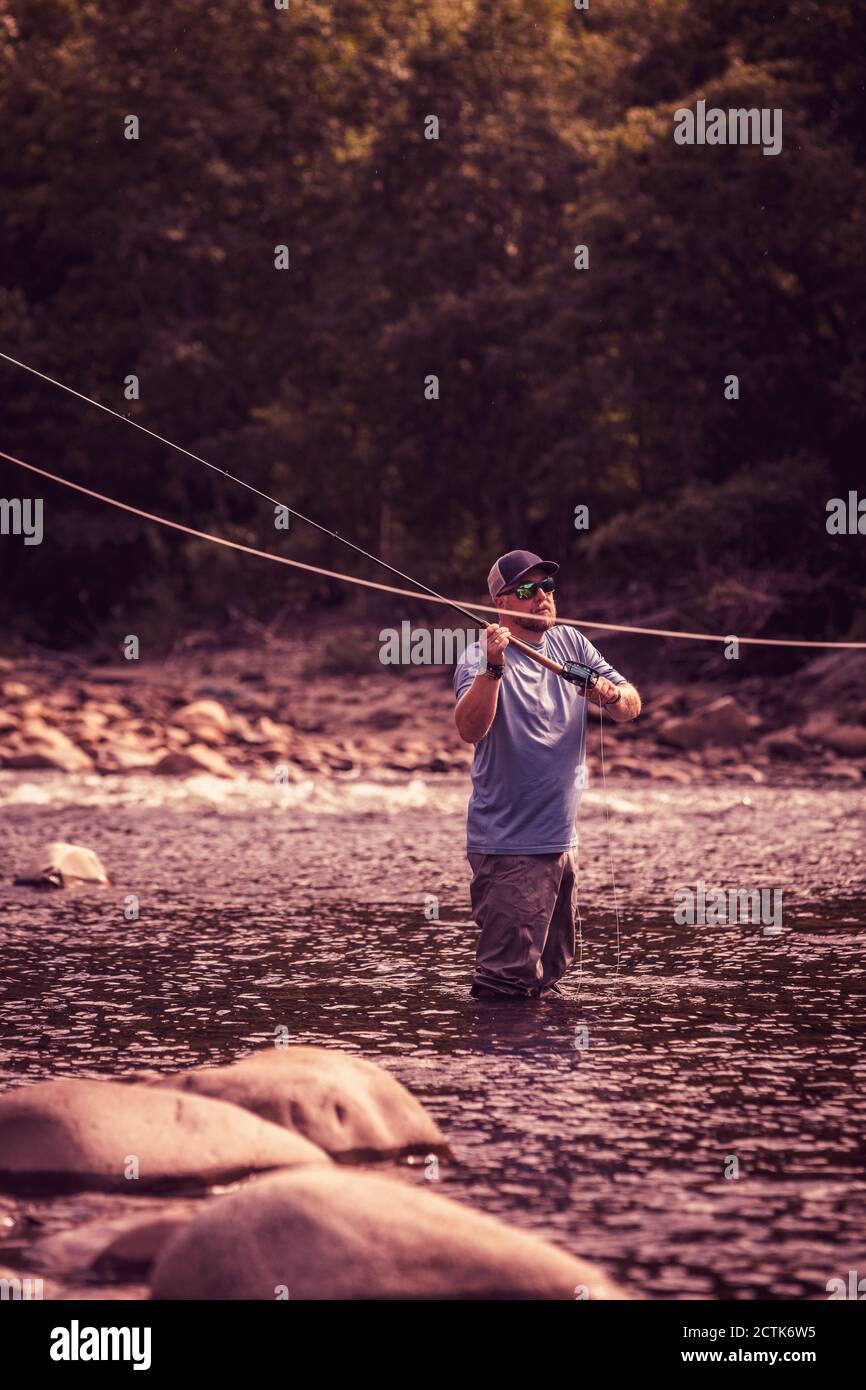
<point x="525" y="591"/>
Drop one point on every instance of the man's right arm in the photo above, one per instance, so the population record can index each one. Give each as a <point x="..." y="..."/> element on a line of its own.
<point x="476" y="710"/>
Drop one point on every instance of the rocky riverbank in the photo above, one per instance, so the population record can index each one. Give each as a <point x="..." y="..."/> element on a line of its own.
<point x="287" y="711"/>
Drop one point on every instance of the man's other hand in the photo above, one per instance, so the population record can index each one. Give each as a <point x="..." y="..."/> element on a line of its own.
<point x="604" y="692"/>
<point x="497" y="639"/>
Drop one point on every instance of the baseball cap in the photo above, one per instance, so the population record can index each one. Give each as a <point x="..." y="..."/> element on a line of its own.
<point x="511" y="568"/>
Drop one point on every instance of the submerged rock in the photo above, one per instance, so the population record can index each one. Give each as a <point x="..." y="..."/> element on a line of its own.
<point x="346" y="1105"/>
<point x="340" y="1235"/>
<point x="73" y="1134"/>
<point x="61" y="865"/>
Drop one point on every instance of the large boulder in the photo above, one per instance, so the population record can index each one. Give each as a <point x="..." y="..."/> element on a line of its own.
<point x="74" y="1134"/>
<point x="344" y="1104"/>
<point x="724" y="721"/>
<point x="62" y="865"/>
<point x="342" y="1235"/>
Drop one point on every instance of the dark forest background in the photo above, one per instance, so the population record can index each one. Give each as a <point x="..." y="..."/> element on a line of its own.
<point x="453" y="256"/>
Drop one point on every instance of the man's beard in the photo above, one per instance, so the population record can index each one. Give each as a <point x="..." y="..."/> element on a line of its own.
<point x="539" y="622"/>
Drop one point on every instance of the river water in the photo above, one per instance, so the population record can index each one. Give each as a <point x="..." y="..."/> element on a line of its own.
<point x="612" y="1121"/>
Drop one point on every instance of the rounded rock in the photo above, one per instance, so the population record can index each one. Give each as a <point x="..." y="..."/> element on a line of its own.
<point x="334" y="1234"/>
<point x="77" y="1134"/>
<point x="346" y="1105"/>
<point x="60" y="864"/>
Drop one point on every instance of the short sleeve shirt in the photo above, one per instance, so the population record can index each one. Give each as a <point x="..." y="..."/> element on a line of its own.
<point x="526" y="784"/>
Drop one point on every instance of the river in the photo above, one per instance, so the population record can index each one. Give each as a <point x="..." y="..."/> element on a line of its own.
<point x="606" y="1121"/>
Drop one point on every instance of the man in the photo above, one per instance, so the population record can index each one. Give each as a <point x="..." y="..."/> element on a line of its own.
<point x="528" y="726"/>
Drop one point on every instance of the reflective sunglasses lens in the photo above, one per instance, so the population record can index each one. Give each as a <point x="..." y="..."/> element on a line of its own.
<point x="528" y="590"/>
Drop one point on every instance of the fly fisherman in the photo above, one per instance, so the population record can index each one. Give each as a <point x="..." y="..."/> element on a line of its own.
<point x="528" y="727"/>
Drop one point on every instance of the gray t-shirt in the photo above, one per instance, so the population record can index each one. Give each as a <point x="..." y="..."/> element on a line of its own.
<point x="525" y="783"/>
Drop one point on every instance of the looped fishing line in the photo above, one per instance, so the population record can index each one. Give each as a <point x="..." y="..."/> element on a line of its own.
<point x="429" y="596"/>
<point x="610" y="860"/>
<point x="607" y="823"/>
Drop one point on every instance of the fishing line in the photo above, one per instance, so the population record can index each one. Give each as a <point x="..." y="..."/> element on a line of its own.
<point x="607" y="823"/>
<point x="609" y="852"/>
<point x="335" y="535"/>
<point x="579" y="923"/>
<point x="430" y="595"/>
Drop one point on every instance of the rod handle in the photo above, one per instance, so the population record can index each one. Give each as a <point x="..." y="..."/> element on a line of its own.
<point x="536" y="655"/>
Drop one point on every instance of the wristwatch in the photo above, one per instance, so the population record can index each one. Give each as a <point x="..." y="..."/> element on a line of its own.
<point x="495" y="671"/>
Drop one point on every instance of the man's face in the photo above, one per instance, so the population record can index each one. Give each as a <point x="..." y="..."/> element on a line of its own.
<point x="534" y="614"/>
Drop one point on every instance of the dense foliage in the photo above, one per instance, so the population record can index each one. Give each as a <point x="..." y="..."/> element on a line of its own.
<point x="453" y="256"/>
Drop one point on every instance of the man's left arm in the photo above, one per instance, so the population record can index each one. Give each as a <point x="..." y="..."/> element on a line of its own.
<point x="615" y="696"/>
<point x="620" y="702"/>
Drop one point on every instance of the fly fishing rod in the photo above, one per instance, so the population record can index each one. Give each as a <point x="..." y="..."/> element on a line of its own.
<point x="573" y="671"/>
